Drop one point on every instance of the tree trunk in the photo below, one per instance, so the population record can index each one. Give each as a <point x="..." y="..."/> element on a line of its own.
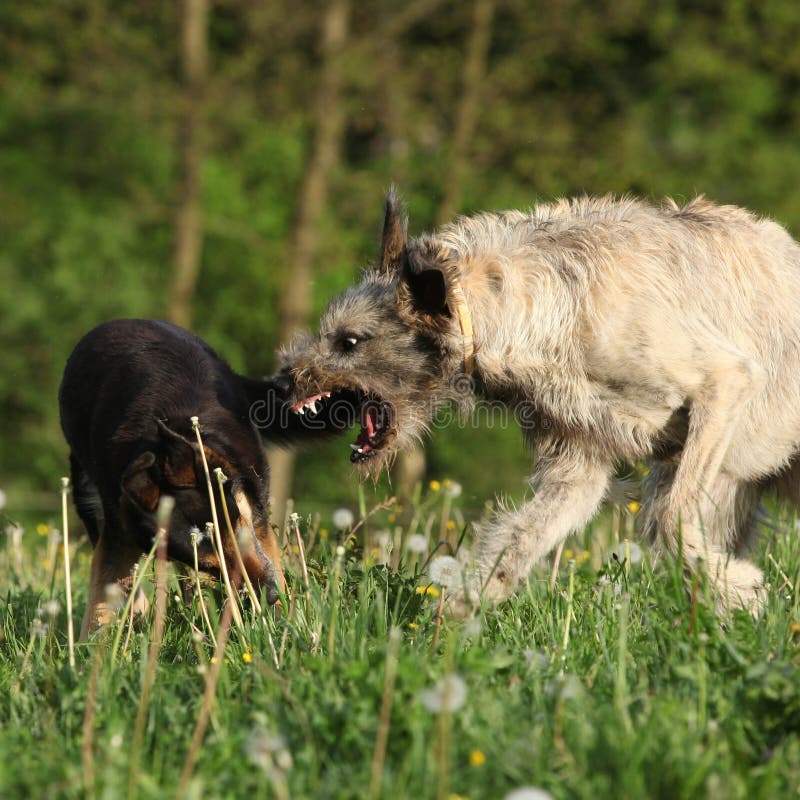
<point x="188" y="220"/>
<point x="410" y="469"/>
<point x="328" y="119"/>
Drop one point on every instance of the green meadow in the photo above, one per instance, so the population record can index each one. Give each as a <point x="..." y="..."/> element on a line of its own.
<point x="618" y="680"/>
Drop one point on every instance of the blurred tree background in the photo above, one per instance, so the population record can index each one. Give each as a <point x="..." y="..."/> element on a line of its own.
<point x="223" y="163"/>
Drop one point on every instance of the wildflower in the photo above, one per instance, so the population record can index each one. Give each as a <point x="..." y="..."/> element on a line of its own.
<point x="392" y="517"/>
<point x="451" y="525"/>
<point x="323" y="533"/>
<point x="435" y="486"/>
<point x="585" y="555"/>
<point x="247" y="658"/>
<point x="453" y="489"/>
<point x="412" y="626"/>
<point x="42" y="529"/>
<point x="52" y="607"/>
<point x="445" y="570"/>
<point x="528" y="793"/>
<point x="794" y="627"/>
<point x="627" y="549"/>
<point x="633" y="506"/>
<point x="429" y="590"/>
<point x="417" y="543"/>
<point x="40" y="628"/>
<point x="2" y="499"/>
<point x="568" y="554"/>
<point x="477" y="758"/>
<point x="343" y="518"/>
<point x="449" y="694"/>
<point x="294" y="518"/>
<point x="339" y="551"/>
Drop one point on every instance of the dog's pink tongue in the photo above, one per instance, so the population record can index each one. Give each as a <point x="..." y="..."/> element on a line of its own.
<point x="370" y="418"/>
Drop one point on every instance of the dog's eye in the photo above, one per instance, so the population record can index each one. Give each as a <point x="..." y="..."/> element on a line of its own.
<point x="348" y="343"/>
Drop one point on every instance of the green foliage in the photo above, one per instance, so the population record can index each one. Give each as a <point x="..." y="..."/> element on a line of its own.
<point x="665" y="98"/>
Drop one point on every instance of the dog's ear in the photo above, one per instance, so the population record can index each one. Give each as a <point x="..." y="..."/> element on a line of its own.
<point x="395" y="233"/>
<point x="138" y="484"/>
<point x="426" y="278"/>
<point x="179" y="458"/>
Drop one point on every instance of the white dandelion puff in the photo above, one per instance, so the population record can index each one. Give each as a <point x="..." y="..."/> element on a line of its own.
<point x="114" y="596"/>
<point x="620" y="552"/>
<point x="417" y="543"/>
<point x="446" y="571"/>
<point x="343" y="518"/>
<point x="454" y="489"/>
<point x="449" y="694"/>
<point x="528" y="793"/>
<point x="52" y="607"/>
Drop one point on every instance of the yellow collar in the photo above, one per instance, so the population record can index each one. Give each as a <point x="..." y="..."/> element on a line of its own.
<point x="465" y="322"/>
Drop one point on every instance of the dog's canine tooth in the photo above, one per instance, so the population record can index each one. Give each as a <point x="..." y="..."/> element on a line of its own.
<point x="355" y="447"/>
<point x="301" y="410"/>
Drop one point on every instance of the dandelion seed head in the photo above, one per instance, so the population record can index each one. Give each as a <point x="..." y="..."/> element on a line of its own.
<point x="39" y="628"/>
<point x="116" y="741"/>
<point x="343" y="518"/>
<point x="417" y="543"/>
<point x="528" y="793"/>
<point x="619" y="552"/>
<point x="114" y="596"/>
<point x="453" y="488"/>
<point x="446" y="571"/>
<point x="449" y="694"/>
<point x="265" y="749"/>
<point x="52" y="607"/>
<point x="339" y="552"/>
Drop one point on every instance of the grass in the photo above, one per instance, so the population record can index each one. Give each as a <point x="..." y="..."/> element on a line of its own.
<point x="615" y="683"/>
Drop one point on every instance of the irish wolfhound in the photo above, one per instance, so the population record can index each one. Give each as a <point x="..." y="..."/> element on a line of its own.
<point x="631" y="331"/>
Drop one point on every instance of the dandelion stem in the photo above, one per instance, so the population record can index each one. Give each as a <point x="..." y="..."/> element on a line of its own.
<point x="384" y="721"/>
<point x="67" y="575"/>
<point x="237" y="551"/>
<point x="128" y="609"/>
<point x="439" y="615"/>
<point x="303" y="567"/>
<point x="621" y="684"/>
<point x="212" y="678"/>
<point x="222" y="565"/>
<point x="198" y="585"/>
<point x="568" y="617"/>
<point x="165" y="507"/>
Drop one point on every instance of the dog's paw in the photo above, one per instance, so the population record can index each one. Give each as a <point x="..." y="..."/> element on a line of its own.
<point x="740" y="586"/>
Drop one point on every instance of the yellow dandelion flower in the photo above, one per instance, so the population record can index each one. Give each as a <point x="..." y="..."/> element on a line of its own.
<point x="247" y="658"/>
<point x="435" y="486"/>
<point x="412" y="626"/>
<point x="323" y="533"/>
<point x="213" y="659"/>
<point x="42" y="529"/>
<point x="794" y="627"/>
<point x="451" y="525"/>
<point x="392" y="517"/>
<point x="431" y="590"/>
<point x="586" y="555"/>
<point x="633" y="506"/>
<point x="477" y="758"/>
<point x="568" y="554"/>
<point x="446" y="482"/>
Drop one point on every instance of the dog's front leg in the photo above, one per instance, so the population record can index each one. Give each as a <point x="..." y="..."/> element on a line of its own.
<point x="568" y="489"/>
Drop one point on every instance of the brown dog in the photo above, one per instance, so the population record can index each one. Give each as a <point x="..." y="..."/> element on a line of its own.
<point x="618" y="331"/>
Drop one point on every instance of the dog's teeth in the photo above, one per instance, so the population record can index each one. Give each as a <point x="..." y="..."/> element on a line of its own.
<point x="326" y="394"/>
<point x="301" y="410"/>
<point x="355" y="447"/>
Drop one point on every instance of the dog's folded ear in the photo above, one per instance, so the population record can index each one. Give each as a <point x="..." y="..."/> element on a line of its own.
<point x="179" y="458"/>
<point x="138" y="483"/>
<point x="427" y="277"/>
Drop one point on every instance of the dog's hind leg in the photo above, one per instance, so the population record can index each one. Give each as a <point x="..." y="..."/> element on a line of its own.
<point x="702" y="501"/>
<point x="112" y="563"/>
<point x="569" y="488"/>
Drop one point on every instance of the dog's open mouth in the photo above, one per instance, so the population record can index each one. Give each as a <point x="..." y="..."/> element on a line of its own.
<point x="376" y="417"/>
